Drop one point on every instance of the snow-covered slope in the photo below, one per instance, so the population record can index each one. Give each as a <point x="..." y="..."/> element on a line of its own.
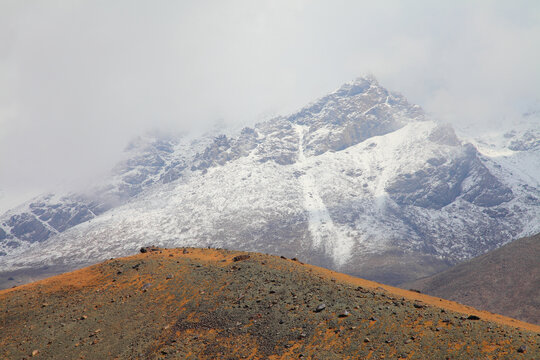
<point x="358" y="181"/>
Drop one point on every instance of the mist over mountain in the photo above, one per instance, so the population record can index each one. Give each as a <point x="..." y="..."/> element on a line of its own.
<point x="79" y="80"/>
<point x="360" y="181"/>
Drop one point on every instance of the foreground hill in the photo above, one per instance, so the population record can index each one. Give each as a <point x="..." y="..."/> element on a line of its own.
<point x="506" y="281"/>
<point x="210" y="304"/>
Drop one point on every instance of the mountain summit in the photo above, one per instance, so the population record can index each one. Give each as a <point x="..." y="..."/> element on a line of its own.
<point x="360" y="181"/>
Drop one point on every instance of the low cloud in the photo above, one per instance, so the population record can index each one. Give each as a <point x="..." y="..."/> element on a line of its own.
<point x="78" y="79"/>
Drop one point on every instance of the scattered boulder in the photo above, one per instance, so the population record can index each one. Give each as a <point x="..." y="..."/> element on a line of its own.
<point x="152" y="248"/>
<point x="240" y="258"/>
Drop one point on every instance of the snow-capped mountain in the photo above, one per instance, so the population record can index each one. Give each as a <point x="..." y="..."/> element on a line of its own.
<point x="360" y="181"/>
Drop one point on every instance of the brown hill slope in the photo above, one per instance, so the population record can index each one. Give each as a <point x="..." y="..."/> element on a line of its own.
<point x="505" y="281"/>
<point x="203" y="304"/>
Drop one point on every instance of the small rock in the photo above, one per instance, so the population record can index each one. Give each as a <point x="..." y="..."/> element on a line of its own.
<point x="366" y="340"/>
<point x="473" y="317"/>
<point x="419" y="306"/>
<point x="184" y="251"/>
<point x="240" y="258"/>
<point x="35" y="352"/>
<point x="84" y="317"/>
<point x="522" y="349"/>
<point x="344" y="314"/>
<point x="152" y="248"/>
<point x="169" y="276"/>
<point x="320" y="308"/>
<point x="146" y="286"/>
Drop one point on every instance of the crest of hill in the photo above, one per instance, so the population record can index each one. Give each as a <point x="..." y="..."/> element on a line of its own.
<point x="505" y="281"/>
<point x="205" y="303"/>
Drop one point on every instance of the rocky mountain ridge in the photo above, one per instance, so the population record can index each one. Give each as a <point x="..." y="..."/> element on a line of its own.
<point x="359" y="181"/>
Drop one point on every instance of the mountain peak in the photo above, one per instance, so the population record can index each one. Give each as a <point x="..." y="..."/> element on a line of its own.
<point x="357" y="86"/>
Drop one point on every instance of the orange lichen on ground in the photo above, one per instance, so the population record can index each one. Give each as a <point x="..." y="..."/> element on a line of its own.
<point x="73" y="280"/>
<point x="201" y="303"/>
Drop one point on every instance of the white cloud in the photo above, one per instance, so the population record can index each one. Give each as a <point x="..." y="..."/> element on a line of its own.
<point x="79" y="78"/>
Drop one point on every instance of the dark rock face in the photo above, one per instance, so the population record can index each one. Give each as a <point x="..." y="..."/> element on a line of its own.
<point x="354" y="113"/>
<point x="444" y="135"/>
<point x="223" y="150"/>
<point x="281" y="142"/>
<point x="26" y="227"/>
<point x="442" y="181"/>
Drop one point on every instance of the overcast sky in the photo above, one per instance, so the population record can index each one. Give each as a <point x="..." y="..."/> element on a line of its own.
<point x="78" y="79"/>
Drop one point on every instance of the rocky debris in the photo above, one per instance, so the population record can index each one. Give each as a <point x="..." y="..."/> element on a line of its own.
<point x="147" y="249"/>
<point x="241" y="257"/>
<point x="473" y="317"/>
<point x="320" y="307"/>
<point x="234" y="314"/>
<point x="419" y="305"/>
